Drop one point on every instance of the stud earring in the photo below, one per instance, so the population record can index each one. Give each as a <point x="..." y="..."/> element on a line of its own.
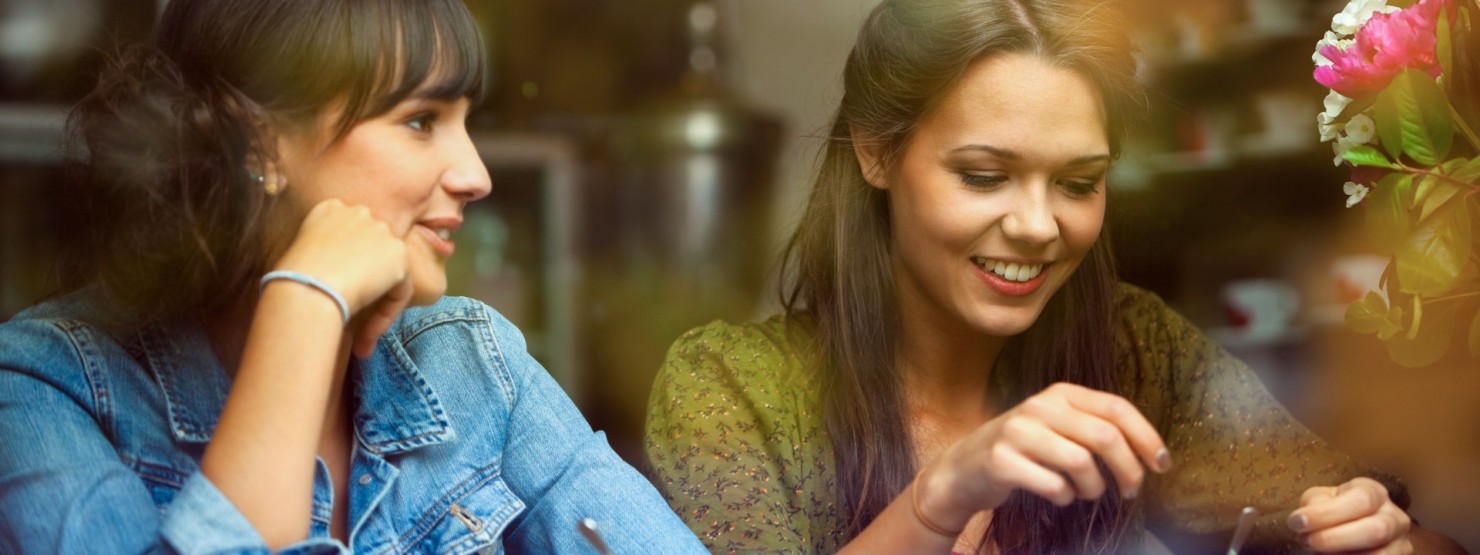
<point x="273" y="186"/>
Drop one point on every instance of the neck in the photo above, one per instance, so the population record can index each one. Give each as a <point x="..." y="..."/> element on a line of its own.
<point x="942" y="361"/>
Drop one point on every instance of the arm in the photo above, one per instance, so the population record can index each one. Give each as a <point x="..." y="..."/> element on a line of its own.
<point x="566" y="472"/>
<point x="63" y="488"/>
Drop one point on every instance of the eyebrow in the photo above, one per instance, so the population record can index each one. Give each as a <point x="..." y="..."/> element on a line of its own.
<point x="1013" y="156"/>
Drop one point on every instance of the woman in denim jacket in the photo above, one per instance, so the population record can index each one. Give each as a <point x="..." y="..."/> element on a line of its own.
<point x="281" y="180"/>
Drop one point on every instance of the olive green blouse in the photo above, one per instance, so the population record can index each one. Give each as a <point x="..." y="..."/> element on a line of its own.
<point x="736" y="440"/>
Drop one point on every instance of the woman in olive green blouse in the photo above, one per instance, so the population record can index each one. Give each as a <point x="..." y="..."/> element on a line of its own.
<point x="957" y="368"/>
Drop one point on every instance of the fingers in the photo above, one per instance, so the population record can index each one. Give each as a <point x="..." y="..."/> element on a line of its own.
<point x="1138" y="432"/>
<point x="1328" y="507"/>
<point x="1030" y="476"/>
<point x="381" y="318"/>
<point x="1057" y="455"/>
<point x="1384" y="532"/>
<point x="1355" y="516"/>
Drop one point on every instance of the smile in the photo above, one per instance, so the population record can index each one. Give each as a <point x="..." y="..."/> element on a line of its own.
<point x="1009" y="271"/>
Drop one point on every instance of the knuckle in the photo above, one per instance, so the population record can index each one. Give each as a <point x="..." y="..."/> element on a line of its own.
<point x="1077" y="461"/>
<point x="1035" y="405"/>
<point x="1103" y="436"/>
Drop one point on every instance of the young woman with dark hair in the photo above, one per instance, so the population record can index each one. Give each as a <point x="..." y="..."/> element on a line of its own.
<point x="957" y="367"/>
<point x="273" y="184"/>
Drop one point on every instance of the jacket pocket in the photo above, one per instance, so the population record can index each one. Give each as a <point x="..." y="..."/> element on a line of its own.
<point x="471" y="517"/>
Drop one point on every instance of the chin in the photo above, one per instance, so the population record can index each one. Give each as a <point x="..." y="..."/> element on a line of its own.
<point x="1006" y="322"/>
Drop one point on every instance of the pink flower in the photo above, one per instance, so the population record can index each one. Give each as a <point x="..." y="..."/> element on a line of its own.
<point x="1385" y="46"/>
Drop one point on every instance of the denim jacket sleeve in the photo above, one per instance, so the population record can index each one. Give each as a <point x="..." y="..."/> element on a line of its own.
<point x="63" y="486"/>
<point x="567" y="472"/>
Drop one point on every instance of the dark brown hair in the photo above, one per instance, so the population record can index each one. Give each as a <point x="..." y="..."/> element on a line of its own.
<point x="909" y="54"/>
<point x="159" y="151"/>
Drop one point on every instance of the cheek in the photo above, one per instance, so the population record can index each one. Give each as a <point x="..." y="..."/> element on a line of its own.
<point x="1082" y="224"/>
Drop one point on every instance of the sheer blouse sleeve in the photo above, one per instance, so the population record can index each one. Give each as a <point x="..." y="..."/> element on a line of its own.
<point x="732" y="443"/>
<point x="1233" y="444"/>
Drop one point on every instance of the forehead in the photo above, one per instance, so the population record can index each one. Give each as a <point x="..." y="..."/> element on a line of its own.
<point x="1024" y="103"/>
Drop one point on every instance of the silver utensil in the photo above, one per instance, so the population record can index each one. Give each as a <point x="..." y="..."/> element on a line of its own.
<point x="1241" y="532"/>
<point x="587" y="526"/>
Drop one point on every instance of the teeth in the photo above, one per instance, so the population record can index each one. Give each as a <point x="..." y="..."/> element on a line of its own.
<point x="1010" y="272"/>
<point x="444" y="234"/>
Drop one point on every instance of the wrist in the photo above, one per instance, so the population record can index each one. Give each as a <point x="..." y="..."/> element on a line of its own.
<point x="288" y="280"/>
<point x="933" y="504"/>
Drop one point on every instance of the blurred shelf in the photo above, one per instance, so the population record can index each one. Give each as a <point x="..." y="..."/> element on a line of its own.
<point x="32" y="133"/>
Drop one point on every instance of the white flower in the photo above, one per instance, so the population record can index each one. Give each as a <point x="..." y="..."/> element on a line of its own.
<point x="1341" y="145"/>
<point x="1357" y="13"/>
<point x="1355" y="193"/>
<point x="1335" y="103"/>
<point x="1360" y="129"/>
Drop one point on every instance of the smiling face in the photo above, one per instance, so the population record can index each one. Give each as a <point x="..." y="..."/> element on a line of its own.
<point x="414" y="167"/>
<point x="998" y="196"/>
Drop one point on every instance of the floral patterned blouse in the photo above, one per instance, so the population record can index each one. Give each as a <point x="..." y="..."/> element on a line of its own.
<point x="736" y="442"/>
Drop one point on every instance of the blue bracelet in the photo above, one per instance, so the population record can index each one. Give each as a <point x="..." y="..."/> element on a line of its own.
<point x="311" y="282"/>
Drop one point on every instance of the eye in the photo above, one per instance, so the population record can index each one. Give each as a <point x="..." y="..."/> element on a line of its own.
<point x="1081" y="187"/>
<point x="422" y="122"/>
<point x="979" y="181"/>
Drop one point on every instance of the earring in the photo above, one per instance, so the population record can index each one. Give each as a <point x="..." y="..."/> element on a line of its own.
<point x="274" y="185"/>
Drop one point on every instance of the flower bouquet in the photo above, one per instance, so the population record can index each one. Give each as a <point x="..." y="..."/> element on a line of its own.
<point x="1402" y="113"/>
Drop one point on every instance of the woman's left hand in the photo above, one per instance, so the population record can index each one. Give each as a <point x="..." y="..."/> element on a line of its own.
<point x="1355" y="517"/>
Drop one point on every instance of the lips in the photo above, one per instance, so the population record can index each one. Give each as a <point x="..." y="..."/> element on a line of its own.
<point x="438" y="233"/>
<point x="1013" y="279"/>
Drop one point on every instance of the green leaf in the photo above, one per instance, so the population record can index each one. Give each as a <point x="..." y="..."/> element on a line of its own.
<point x="1423" y="116"/>
<point x="1431" y="259"/>
<point x="1368" y="156"/>
<point x="1366" y="314"/>
<point x="1465" y="171"/>
<point x="1475" y="335"/>
<point x="1392" y="323"/>
<point x="1387" y="213"/>
<point x="1389" y="126"/>
<point x="1432" y="193"/>
<point x="1430" y="343"/>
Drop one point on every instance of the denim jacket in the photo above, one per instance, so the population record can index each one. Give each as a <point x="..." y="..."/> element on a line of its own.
<point x="463" y="444"/>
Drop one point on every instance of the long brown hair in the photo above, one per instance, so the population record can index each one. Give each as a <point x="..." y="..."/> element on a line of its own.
<point x="159" y="150"/>
<point x="908" y="55"/>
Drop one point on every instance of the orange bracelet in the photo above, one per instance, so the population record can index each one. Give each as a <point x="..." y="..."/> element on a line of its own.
<point x="915" y="502"/>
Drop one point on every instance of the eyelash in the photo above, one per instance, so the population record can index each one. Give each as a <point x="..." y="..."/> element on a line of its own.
<point x="1076" y="187"/>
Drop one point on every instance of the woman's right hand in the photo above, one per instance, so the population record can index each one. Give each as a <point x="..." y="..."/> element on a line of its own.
<point x="1046" y="446"/>
<point x="349" y="249"/>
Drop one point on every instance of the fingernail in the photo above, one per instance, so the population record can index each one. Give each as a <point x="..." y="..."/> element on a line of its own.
<point x="1296" y="522"/>
<point x="1163" y="460"/>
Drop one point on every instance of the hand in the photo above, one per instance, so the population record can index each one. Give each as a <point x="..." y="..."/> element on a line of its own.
<point x="347" y="248"/>
<point x="1045" y="446"/>
<point x="1355" y="517"/>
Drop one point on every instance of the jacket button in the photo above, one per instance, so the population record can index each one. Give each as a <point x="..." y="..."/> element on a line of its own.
<point x="364" y="479"/>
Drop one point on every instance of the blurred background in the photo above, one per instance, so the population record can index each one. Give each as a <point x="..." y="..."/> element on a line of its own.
<point x="649" y="158"/>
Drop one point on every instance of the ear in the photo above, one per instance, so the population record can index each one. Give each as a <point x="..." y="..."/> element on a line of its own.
<point x="868" y="151"/>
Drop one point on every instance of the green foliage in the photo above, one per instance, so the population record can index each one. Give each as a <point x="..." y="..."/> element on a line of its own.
<point x="1368" y="156"/>
<point x="1387" y="212"/>
<point x="1433" y="255"/>
<point x="1414" y="118"/>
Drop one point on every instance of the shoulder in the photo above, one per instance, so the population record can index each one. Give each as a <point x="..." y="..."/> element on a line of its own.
<point x="55" y="337"/>
<point x="777" y="352"/>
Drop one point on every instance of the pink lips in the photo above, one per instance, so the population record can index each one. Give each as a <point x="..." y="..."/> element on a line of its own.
<point x="1011" y="288"/>
<point x="429" y="228"/>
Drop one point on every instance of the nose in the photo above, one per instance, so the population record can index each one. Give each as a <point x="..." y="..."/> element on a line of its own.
<point x="466" y="177"/>
<point x="1031" y="219"/>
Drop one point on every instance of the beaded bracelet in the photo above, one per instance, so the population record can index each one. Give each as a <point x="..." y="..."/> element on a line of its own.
<point x="311" y="282"/>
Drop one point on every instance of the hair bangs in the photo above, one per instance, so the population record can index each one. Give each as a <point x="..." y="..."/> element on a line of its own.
<point x="425" y="49"/>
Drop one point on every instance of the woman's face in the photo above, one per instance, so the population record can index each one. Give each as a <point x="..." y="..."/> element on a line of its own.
<point x="998" y="196"/>
<point x="414" y="167"/>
